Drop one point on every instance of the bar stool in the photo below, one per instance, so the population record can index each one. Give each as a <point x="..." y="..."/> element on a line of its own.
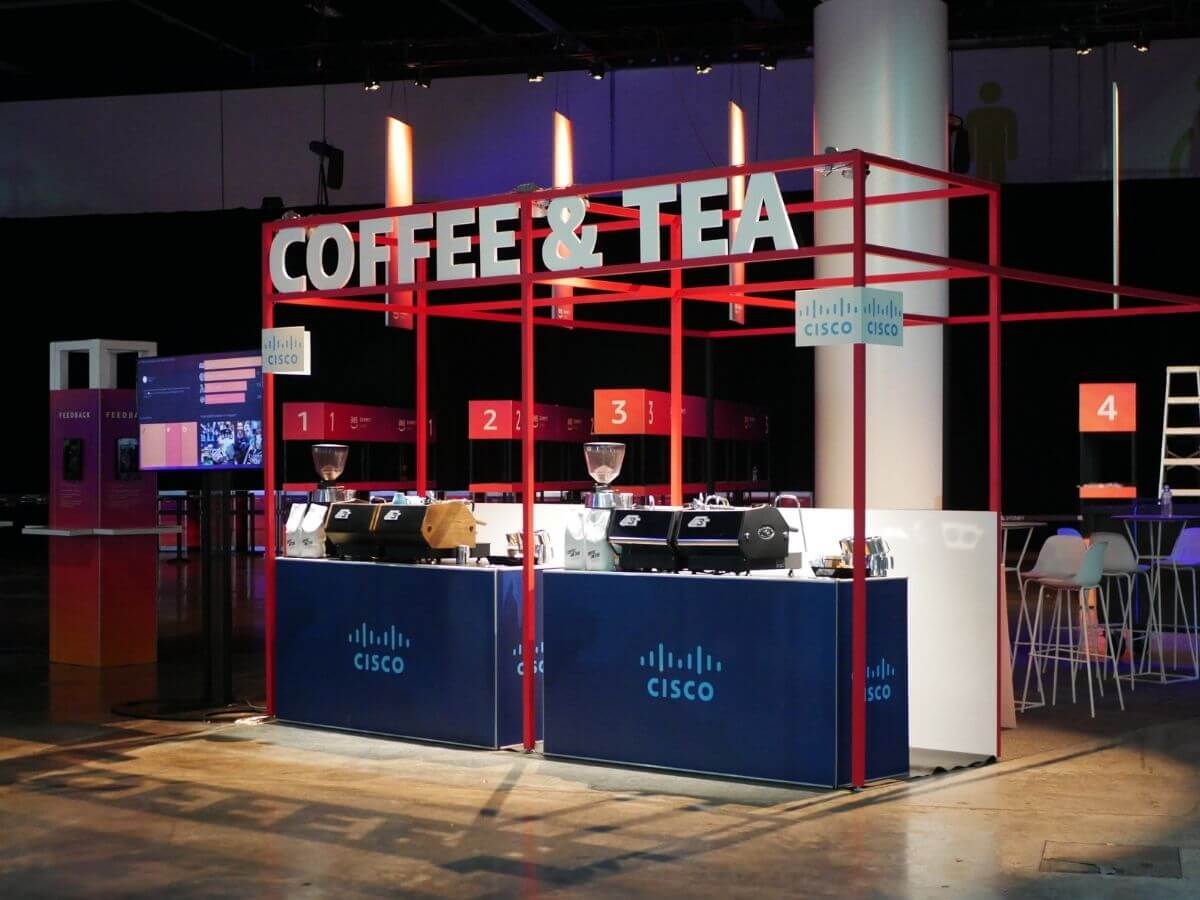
<point x="1088" y="578"/>
<point x="1060" y="557"/>
<point x="1184" y="557"/>
<point x="1122" y="568"/>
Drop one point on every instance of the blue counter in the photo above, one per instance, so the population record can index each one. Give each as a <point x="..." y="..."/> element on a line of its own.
<point x="425" y="652"/>
<point x="741" y="676"/>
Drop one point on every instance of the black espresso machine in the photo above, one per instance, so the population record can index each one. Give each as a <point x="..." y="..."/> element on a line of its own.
<point x="708" y="535"/>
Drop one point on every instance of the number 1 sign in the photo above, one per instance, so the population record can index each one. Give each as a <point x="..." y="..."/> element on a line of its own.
<point x="1108" y="407"/>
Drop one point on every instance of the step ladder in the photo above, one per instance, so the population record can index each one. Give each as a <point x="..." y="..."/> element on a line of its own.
<point x="1180" y="466"/>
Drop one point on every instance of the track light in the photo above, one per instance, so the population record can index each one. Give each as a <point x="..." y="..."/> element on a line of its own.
<point x="371" y="85"/>
<point x="1083" y="48"/>
<point x="1141" y="45"/>
<point x="596" y="71"/>
<point x="769" y="62"/>
<point x="421" y="79"/>
<point x="536" y="76"/>
<point x="704" y="66"/>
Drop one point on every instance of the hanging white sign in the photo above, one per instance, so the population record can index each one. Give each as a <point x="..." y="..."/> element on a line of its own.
<point x="287" y="351"/>
<point x="849" y="315"/>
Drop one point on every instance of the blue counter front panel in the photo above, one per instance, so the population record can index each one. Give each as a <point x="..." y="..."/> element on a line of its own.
<point x="747" y="677"/>
<point x="427" y="652"/>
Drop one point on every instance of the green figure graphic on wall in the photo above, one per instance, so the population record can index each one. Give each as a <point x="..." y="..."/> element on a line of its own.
<point x="993" y="132"/>
<point x="1185" y="155"/>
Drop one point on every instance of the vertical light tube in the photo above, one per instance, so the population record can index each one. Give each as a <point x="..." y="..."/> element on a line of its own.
<point x="737" y="199"/>
<point x="399" y="192"/>
<point x="564" y="176"/>
<point x="1116" y="192"/>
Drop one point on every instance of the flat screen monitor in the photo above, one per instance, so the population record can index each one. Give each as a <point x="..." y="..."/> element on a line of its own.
<point x="200" y="412"/>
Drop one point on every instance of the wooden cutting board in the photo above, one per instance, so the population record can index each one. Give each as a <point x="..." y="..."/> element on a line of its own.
<point x="449" y="524"/>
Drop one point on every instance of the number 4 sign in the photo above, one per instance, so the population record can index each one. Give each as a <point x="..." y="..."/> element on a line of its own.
<point x="1108" y="407"/>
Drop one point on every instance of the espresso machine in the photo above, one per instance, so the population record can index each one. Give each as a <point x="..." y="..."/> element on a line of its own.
<point x="330" y="461"/>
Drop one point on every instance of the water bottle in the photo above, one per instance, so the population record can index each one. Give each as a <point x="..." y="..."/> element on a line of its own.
<point x="1165" y="501"/>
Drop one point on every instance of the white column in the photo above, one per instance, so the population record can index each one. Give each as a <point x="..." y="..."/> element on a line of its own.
<point x="881" y="78"/>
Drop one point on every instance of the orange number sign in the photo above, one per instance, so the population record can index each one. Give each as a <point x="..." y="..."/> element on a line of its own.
<point x="1108" y="407"/>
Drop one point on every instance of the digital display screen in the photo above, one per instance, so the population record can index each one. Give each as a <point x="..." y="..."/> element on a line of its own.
<point x="200" y="412"/>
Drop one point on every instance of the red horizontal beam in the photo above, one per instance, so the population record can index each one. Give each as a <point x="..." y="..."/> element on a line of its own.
<point x="1011" y="274"/>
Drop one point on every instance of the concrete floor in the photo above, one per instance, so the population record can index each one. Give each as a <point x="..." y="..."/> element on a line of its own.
<point x="94" y="805"/>
<point x="137" y="809"/>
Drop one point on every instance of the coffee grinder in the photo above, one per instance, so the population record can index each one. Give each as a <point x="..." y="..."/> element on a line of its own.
<point x="330" y="461"/>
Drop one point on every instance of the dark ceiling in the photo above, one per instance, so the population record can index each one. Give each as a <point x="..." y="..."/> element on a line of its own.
<point x="70" y="48"/>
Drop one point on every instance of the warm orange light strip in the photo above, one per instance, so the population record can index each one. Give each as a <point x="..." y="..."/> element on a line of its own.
<point x="737" y="197"/>
<point x="399" y="193"/>
<point x="564" y="176"/>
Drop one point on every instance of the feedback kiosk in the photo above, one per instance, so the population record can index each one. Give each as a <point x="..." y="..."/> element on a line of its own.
<point x="102" y="519"/>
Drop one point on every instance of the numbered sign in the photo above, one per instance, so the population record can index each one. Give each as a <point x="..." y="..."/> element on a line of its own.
<point x="502" y="420"/>
<point x="350" y="422"/>
<point x="1108" y="407"/>
<point x="639" y="411"/>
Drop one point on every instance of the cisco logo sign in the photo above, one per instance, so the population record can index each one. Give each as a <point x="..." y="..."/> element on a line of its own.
<point x="538" y="661"/>
<point x="684" y="676"/>
<point x="380" y="650"/>
<point x="879" y="681"/>
<point x="853" y="315"/>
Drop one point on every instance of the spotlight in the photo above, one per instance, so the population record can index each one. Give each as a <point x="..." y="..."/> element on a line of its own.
<point x="769" y="62"/>
<point x="1141" y="45"/>
<point x="1083" y="48"/>
<point x="596" y="71"/>
<point x="536" y="76"/>
<point x="421" y="79"/>
<point x="371" y="85"/>
<point x="704" y="66"/>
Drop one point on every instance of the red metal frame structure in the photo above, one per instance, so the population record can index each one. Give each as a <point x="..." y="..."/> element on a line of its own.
<point x="606" y="284"/>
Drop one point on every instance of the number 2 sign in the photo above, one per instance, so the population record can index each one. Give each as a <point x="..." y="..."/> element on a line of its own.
<point x="1108" y="407"/>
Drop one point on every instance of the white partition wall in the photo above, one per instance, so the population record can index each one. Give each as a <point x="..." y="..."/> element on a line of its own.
<point x="950" y="560"/>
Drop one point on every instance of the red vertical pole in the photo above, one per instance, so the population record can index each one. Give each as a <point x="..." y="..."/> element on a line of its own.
<point x="858" y="627"/>
<point x="676" y="369"/>
<point x="268" y="321"/>
<point x="422" y="336"/>
<point x="995" y="497"/>
<point x="529" y="583"/>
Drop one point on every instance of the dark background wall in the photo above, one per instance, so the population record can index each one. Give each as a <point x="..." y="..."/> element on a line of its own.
<point x="190" y="282"/>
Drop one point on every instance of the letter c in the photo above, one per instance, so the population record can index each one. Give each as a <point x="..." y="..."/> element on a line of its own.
<point x="358" y="661"/>
<point x="283" y="282"/>
<point x="652" y="687"/>
<point x="385" y="663"/>
<point x="689" y="690"/>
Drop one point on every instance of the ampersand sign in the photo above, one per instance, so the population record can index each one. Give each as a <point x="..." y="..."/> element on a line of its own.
<point x="563" y="249"/>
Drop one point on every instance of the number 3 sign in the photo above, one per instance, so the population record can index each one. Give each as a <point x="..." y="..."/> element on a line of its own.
<point x="1108" y="407"/>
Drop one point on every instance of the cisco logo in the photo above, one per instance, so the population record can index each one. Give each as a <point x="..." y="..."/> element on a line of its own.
<point x="538" y="661"/>
<point x="380" y="649"/>
<point x="883" y="672"/>
<point x="666" y="686"/>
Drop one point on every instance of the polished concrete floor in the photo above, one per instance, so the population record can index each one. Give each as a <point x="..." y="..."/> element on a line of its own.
<point x="96" y="805"/>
